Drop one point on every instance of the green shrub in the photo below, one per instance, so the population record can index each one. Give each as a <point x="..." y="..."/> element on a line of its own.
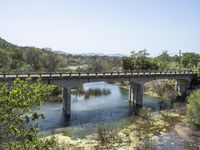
<point x="193" y="107"/>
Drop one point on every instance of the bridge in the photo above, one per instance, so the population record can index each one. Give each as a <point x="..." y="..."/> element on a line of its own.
<point x="136" y="80"/>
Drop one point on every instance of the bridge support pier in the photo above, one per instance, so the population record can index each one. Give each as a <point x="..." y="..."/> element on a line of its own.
<point x="66" y="100"/>
<point x="136" y="93"/>
<point x="182" y="86"/>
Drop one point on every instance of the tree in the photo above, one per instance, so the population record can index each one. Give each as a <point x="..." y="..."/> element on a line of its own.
<point x="52" y="61"/>
<point x="128" y="63"/>
<point x="190" y="60"/>
<point x="16" y="107"/>
<point x="163" y="60"/>
<point x="17" y="59"/>
<point x="3" y="59"/>
<point x="193" y="107"/>
<point x="96" y="65"/>
<point x="33" y="58"/>
<point x="139" y="61"/>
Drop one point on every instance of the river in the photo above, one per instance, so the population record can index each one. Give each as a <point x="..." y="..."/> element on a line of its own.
<point x="88" y="114"/>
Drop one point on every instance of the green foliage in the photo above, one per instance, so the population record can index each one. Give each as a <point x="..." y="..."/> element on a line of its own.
<point x="16" y="110"/>
<point x="128" y="63"/>
<point x="163" y="61"/>
<point x="193" y="107"/>
<point x="30" y="59"/>
<point x="139" y="61"/>
<point x="190" y="60"/>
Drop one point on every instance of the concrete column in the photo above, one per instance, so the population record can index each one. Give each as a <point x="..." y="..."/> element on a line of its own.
<point x="136" y="92"/>
<point x="66" y="100"/>
<point x="182" y="86"/>
<point x="131" y="94"/>
<point x="139" y="100"/>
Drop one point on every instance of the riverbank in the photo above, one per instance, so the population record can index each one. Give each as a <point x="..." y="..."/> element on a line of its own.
<point x="142" y="132"/>
<point x="126" y="87"/>
<point x="191" y="137"/>
<point x="166" y="93"/>
<point x="122" y="85"/>
<point x="150" y="130"/>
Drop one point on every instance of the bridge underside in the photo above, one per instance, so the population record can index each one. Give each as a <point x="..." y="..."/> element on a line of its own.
<point x="136" y="90"/>
<point x="135" y="93"/>
<point x="136" y="80"/>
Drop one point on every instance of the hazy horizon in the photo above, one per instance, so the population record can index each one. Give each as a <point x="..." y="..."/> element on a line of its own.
<point x="105" y="27"/>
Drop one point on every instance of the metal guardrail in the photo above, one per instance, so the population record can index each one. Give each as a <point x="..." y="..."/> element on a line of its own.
<point x="104" y="74"/>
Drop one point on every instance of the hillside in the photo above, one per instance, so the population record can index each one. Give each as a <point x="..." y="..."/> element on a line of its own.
<point x="15" y="58"/>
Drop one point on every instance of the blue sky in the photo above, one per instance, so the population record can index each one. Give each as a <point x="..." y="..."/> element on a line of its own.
<point x="103" y="26"/>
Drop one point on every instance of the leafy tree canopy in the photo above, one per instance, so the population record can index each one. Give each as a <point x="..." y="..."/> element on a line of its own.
<point x="193" y="107"/>
<point x="17" y="104"/>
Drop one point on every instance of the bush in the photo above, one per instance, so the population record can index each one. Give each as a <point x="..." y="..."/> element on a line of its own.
<point x="107" y="135"/>
<point x="193" y="107"/>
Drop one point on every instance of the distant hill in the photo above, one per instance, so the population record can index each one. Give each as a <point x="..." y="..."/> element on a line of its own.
<point x="117" y="55"/>
<point x="100" y="54"/>
<point x="15" y="58"/>
<point x="61" y="52"/>
<point x="91" y="54"/>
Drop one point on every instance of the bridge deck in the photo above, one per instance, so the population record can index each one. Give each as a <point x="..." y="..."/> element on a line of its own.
<point x="88" y="75"/>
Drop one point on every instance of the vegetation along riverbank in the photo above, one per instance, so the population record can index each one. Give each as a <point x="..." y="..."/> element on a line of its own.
<point x="56" y="94"/>
<point x="143" y="132"/>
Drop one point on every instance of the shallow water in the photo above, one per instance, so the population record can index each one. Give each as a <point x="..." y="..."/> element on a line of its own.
<point x="113" y="110"/>
<point x="88" y="114"/>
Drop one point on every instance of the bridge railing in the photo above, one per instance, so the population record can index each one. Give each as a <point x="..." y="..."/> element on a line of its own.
<point x="97" y="74"/>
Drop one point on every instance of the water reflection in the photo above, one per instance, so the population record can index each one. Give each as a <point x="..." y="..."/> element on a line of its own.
<point x="97" y="110"/>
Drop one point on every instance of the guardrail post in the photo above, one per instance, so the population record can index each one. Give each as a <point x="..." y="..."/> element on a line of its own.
<point x="4" y="75"/>
<point x="118" y="73"/>
<point x="88" y="74"/>
<point x="111" y="73"/>
<point x="50" y="74"/>
<point x="96" y="74"/>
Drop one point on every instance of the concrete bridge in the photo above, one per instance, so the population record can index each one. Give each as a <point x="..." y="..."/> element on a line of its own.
<point x="136" y="80"/>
